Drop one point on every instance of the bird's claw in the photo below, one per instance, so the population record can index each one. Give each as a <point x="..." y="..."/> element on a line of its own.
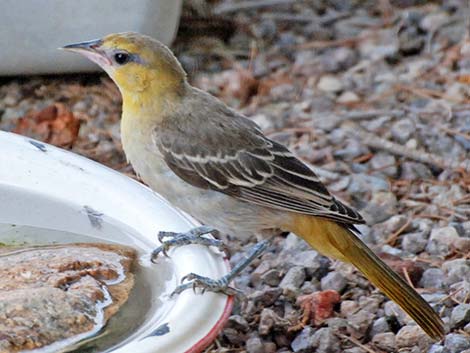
<point x="194" y="236"/>
<point x="220" y="285"/>
<point x="163" y="249"/>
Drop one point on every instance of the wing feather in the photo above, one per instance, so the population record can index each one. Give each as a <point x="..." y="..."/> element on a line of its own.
<point x="280" y="182"/>
<point x="232" y="156"/>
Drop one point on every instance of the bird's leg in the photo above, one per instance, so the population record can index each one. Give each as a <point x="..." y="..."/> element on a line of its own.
<point x="221" y="285"/>
<point x="194" y="236"/>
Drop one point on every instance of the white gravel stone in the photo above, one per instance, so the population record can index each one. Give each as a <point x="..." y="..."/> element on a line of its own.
<point x="330" y="84"/>
<point x="348" y="97"/>
<point x="441" y="240"/>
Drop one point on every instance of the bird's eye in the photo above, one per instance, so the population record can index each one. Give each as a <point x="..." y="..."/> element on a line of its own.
<point x="121" y="58"/>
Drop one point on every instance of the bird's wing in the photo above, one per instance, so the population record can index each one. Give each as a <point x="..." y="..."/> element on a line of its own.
<point x="235" y="158"/>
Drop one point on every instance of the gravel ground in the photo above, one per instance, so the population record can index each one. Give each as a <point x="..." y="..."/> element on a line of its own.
<point x="376" y="97"/>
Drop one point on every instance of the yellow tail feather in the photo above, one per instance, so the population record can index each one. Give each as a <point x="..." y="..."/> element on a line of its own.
<point x="334" y="240"/>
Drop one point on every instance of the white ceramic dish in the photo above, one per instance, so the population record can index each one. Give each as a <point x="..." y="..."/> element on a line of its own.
<point x="44" y="186"/>
<point x="33" y="30"/>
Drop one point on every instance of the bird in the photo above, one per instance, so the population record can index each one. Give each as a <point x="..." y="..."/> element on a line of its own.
<point x="217" y="165"/>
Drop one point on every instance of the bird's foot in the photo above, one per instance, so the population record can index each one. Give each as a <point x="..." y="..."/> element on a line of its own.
<point x="221" y="285"/>
<point x="194" y="236"/>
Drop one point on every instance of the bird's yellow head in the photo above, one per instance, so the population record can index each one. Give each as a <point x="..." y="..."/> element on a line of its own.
<point x="138" y="64"/>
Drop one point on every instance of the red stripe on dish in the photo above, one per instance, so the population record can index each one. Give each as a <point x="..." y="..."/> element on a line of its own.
<point x="210" y="337"/>
<point x="219" y="325"/>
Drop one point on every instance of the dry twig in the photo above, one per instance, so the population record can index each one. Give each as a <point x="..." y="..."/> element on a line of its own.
<point x="394" y="236"/>
<point x="356" y="342"/>
<point x="421" y="156"/>
<point x="407" y="277"/>
<point x="371" y="114"/>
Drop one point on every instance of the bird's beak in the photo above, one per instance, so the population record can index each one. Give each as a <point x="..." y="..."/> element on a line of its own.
<point x="90" y="45"/>
<point x="90" y="49"/>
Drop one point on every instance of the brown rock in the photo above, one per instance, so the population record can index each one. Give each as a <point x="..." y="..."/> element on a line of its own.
<point x="52" y="293"/>
<point x="412" y="336"/>
<point x="412" y="268"/>
<point x="318" y="306"/>
<point x="54" y="124"/>
<point x="385" y="341"/>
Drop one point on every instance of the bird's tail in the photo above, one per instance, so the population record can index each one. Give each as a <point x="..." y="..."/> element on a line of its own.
<point x="337" y="241"/>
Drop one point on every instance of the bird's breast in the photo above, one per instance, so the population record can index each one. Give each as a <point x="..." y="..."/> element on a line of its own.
<point x="145" y="157"/>
<point x="149" y="164"/>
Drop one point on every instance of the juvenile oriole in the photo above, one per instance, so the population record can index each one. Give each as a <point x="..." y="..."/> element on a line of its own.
<point x="217" y="165"/>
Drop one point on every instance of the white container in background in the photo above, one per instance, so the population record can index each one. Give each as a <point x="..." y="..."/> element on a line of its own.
<point x="32" y="30"/>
